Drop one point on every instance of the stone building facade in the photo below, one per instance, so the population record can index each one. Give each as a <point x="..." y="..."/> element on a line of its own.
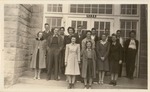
<point x="23" y="21"/>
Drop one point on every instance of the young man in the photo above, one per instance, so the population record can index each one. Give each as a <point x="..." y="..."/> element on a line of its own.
<point x="120" y="40"/>
<point x="131" y="48"/>
<point x="55" y="44"/>
<point x="47" y="31"/>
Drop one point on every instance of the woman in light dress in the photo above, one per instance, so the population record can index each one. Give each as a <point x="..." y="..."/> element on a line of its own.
<point x="72" y="60"/>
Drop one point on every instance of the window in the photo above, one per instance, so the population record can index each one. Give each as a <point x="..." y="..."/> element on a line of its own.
<point x="101" y="26"/>
<point x="129" y="9"/>
<point x="126" y="26"/>
<point x="54" y="22"/>
<point x="91" y="8"/>
<point x="54" y="7"/>
<point x="75" y="24"/>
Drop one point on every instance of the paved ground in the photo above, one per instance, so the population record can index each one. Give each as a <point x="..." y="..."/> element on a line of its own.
<point x="27" y="82"/>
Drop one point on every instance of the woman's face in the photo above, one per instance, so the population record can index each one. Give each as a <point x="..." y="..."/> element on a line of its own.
<point x="70" y="31"/>
<point x="114" y="38"/>
<point x="89" y="45"/>
<point x="73" y="40"/>
<point x="103" y="37"/>
<point x="40" y="35"/>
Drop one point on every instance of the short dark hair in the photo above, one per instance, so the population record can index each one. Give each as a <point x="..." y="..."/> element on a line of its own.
<point x="62" y="28"/>
<point x="71" y="28"/>
<point x="88" y="31"/>
<point x="132" y="32"/>
<point x="118" y="31"/>
<point x="93" y="29"/>
<point x="114" y="35"/>
<point x="46" y="24"/>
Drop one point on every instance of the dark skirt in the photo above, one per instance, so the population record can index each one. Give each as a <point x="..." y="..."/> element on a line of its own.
<point x="90" y="69"/>
<point x="114" y="66"/>
<point x="37" y="60"/>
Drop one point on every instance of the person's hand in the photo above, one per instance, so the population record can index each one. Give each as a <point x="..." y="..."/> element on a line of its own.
<point x="102" y="58"/>
<point x="120" y="61"/>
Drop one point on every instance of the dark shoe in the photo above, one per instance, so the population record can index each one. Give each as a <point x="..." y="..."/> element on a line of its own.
<point x="90" y="87"/>
<point x="111" y="82"/>
<point x="85" y="87"/>
<point x="69" y="86"/>
<point x="115" y="83"/>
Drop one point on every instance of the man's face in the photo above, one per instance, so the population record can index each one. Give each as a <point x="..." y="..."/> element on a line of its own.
<point x="79" y="29"/>
<point x="62" y="31"/>
<point x="56" y="31"/>
<point x="88" y="35"/>
<point x="132" y="35"/>
<point x="118" y="33"/>
<point x="47" y="27"/>
<point x="93" y="32"/>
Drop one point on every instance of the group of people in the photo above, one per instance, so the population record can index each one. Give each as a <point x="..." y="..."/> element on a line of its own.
<point x="83" y="56"/>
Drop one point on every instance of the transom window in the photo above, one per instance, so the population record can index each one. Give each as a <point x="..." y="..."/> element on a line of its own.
<point x="54" y="7"/>
<point x="75" y="24"/>
<point x="101" y="26"/>
<point x="126" y="26"/>
<point x="54" y="22"/>
<point x="129" y="9"/>
<point x="91" y="8"/>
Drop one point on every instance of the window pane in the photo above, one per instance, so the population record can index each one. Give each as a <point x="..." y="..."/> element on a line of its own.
<point x="134" y="6"/>
<point x="133" y="25"/>
<point x="87" y="10"/>
<point x="108" y="25"/>
<point x="80" y="10"/>
<point x="123" y="6"/>
<point x="73" y="10"/>
<point x="54" y="9"/>
<point x="58" y="22"/>
<point x="85" y="24"/>
<point x="78" y="23"/>
<point x="134" y="11"/>
<point x="96" y="25"/>
<point x="123" y="11"/>
<point x="53" y="22"/>
<point x="94" y="10"/>
<point x="49" y="7"/>
<point x="108" y="6"/>
<point x="127" y="33"/>
<point x="101" y="25"/>
<point x="128" y="25"/>
<point x="122" y="33"/>
<point x="59" y="9"/>
<point x="108" y="11"/>
<point x="122" y="25"/>
<point x="129" y="6"/>
<point x="101" y="11"/>
<point x="128" y="11"/>
<point x="73" y="24"/>
<point x="101" y="6"/>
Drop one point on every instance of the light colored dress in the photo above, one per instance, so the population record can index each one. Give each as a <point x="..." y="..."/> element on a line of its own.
<point x="72" y="56"/>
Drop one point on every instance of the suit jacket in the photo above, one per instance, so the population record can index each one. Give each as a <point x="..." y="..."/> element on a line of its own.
<point x="60" y="42"/>
<point x="126" y="45"/>
<point x="79" y="39"/>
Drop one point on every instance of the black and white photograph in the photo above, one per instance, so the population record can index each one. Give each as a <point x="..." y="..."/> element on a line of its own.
<point x="84" y="45"/>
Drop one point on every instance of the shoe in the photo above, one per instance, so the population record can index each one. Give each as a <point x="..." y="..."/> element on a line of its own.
<point x="85" y="86"/>
<point x="115" y="83"/>
<point x="90" y="87"/>
<point x="69" y="86"/>
<point x="111" y="82"/>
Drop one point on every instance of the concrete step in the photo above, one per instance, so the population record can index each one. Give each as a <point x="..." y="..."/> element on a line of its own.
<point x="27" y="81"/>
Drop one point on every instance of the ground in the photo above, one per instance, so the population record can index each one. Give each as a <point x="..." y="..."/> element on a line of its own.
<point x="27" y="82"/>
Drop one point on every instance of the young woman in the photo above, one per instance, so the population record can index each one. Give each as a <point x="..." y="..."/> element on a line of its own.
<point x="102" y="50"/>
<point x="88" y="65"/>
<point x="115" y="58"/>
<point x="38" y="57"/>
<point x="72" y="60"/>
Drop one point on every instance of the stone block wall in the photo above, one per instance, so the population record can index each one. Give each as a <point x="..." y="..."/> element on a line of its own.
<point x="21" y="23"/>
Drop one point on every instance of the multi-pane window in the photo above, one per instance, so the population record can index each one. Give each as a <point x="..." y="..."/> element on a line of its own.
<point x="129" y="9"/>
<point x="54" y="7"/>
<point x="126" y="26"/>
<point x="54" y="22"/>
<point x="101" y="26"/>
<point x="91" y="8"/>
<point x="75" y="24"/>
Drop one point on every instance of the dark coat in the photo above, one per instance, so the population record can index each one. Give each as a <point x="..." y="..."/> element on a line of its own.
<point x="46" y="35"/>
<point x="79" y="39"/>
<point x="84" y="63"/>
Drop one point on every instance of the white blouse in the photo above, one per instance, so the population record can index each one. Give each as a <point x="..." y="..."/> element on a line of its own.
<point x="132" y="44"/>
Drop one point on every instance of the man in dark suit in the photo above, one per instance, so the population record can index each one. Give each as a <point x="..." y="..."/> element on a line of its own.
<point x="55" y="44"/>
<point x="94" y="35"/>
<point x="121" y="41"/>
<point x="131" y="48"/>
